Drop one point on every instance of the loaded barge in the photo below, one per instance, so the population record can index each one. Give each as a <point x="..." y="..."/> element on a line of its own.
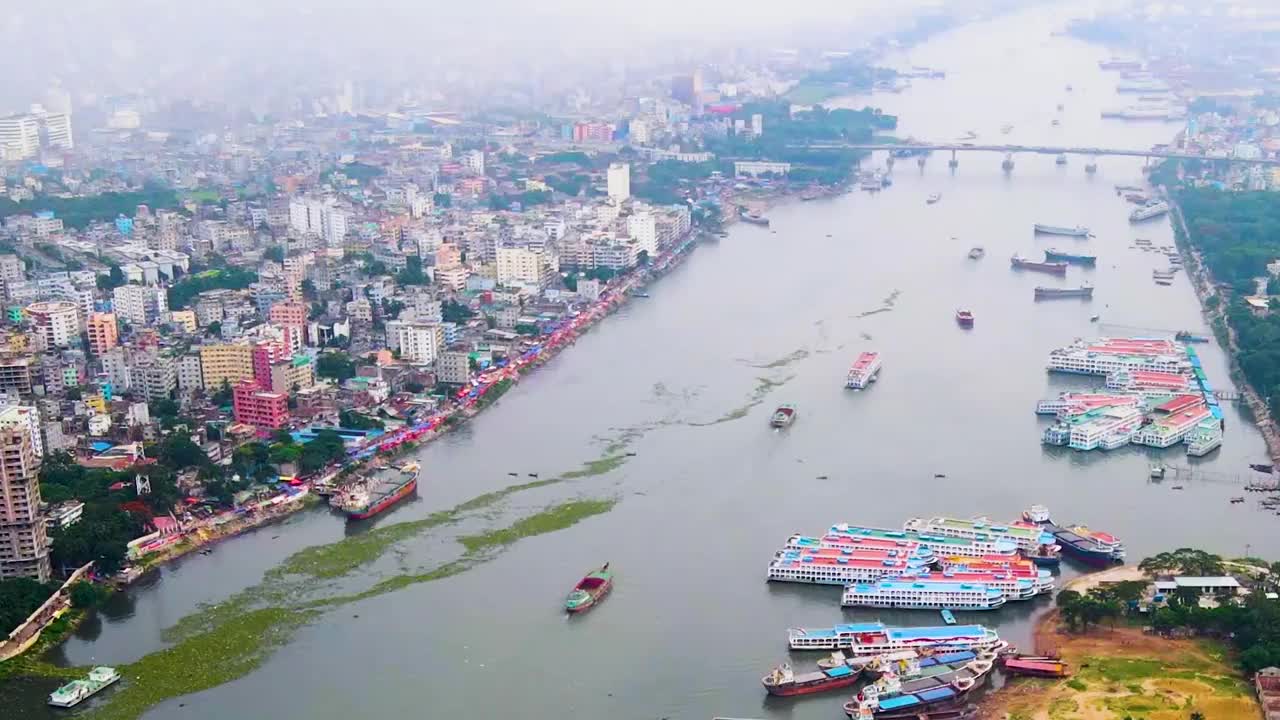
<point x="1052" y="255"/>
<point x="1047" y="293"/>
<point x="1077" y="231"/>
<point x="1053" y="268"/>
<point x="377" y="492"/>
<point x="1094" y="548"/>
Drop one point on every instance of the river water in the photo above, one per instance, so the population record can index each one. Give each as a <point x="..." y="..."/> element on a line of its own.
<point x="691" y="625"/>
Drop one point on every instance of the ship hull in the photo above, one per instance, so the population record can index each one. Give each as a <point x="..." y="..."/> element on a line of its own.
<point x="595" y="600"/>
<point x="1052" y="268"/>
<point x="812" y="688"/>
<point x="385" y="503"/>
<point x="1095" y="558"/>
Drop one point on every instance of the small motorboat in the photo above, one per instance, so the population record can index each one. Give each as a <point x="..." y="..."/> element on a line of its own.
<point x="589" y="591"/>
<point x="933" y="198"/>
<point x="976" y="253"/>
<point x="1094" y="318"/>
<point x="783" y="416"/>
<point x="948" y="618"/>
<point x="964" y="318"/>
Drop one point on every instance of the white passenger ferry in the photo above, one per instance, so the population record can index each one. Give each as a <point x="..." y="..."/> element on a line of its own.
<point x="1109" y="355"/>
<point x="1026" y="536"/>
<point x="864" y="546"/>
<point x="1013" y="585"/>
<point x="940" y="544"/>
<point x="923" y="595"/>
<point x="871" y="639"/>
<point x="831" y="566"/>
<point x="864" y="371"/>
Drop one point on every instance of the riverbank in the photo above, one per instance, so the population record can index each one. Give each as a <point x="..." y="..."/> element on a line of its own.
<point x="1215" y="317"/>
<point x="1121" y="671"/>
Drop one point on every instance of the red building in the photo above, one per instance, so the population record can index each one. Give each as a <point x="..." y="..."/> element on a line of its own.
<point x="265" y="353"/>
<point x="260" y="408"/>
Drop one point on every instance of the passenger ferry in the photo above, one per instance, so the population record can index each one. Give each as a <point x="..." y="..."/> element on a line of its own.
<point x="868" y="639"/>
<point x="831" y="566"/>
<point x="1203" y="441"/>
<point x="923" y="595"/>
<point x="1107" y="355"/>
<point x="1147" y="212"/>
<point x="938" y="543"/>
<point x="864" y="371"/>
<point x="864" y="545"/>
<point x="1021" y="569"/>
<point x="1019" y="586"/>
<point x="1025" y="535"/>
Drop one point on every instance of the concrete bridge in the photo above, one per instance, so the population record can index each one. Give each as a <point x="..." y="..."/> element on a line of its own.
<point x="1010" y="150"/>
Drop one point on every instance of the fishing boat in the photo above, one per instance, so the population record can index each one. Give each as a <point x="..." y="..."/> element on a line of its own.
<point x="1052" y="255"/>
<point x="933" y="198"/>
<point x="874" y="638"/>
<point x="375" y="493"/>
<point x="783" y="416"/>
<point x="1077" y="231"/>
<point x="964" y="318"/>
<point x="589" y="591"/>
<point x="784" y="682"/>
<point x="976" y="253"/>
<point x="77" y="691"/>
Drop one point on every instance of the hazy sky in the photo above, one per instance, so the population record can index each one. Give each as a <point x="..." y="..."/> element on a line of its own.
<point x="161" y="46"/>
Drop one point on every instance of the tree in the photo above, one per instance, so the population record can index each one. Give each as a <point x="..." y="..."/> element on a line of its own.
<point x="214" y="329"/>
<point x="88" y="595"/>
<point x="178" y="452"/>
<point x="274" y="253"/>
<point x="112" y="280"/>
<point x="308" y="289"/>
<point x="19" y="597"/>
<point x="224" y="394"/>
<point x="642" y="258"/>
<point x="455" y="312"/>
<point x="335" y="365"/>
<point x="359" y="421"/>
<point x="163" y="408"/>
<point x="412" y="273"/>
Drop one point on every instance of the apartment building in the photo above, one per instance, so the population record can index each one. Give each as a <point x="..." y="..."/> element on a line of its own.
<point x="24" y="545"/>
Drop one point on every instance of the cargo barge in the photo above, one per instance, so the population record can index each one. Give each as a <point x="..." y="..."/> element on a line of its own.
<point x="1084" y="292"/>
<point x="1053" y="268"/>
<point x="1052" y="255"/>
<point x="1091" y="547"/>
<point x="378" y="492"/>
<point x="1077" y="231"/>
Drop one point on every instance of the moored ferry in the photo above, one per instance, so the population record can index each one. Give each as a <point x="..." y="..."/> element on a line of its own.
<point x="1020" y="568"/>
<point x="923" y="688"/>
<point x="940" y="544"/>
<point x="864" y="371"/>
<point x="1025" y="536"/>
<point x="1052" y="255"/>
<point x="77" y="691"/>
<point x="1077" y="231"/>
<point x="1147" y="212"/>
<point x="1053" y="268"/>
<point x="785" y="682"/>
<point x="832" y="566"/>
<point x="1014" y="586"/>
<point x="867" y="639"/>
<point x="377" y="492"/>
<point x="921" y="594"/>
<point x="864" y="545"/>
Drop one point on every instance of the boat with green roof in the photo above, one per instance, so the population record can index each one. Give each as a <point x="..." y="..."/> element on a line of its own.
<point x="590" y="590"/>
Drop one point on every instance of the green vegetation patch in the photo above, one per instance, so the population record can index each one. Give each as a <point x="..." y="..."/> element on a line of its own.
<point x="235" y="648"/>
<point x="554" y="518"/>
<point x="1076" y="685"/>
<point x="599" y="466"/>
<point x="341" y="557"/>
<point x="1121" y="670"/>
<point x="1062" y="707"/>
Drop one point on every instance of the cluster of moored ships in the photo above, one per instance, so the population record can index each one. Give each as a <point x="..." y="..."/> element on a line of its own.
<point x="940" y="563"/>
<point x="1156" y="394"/>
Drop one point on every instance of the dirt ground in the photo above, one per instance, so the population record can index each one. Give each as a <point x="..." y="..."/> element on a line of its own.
<point x="1120" y="673"/>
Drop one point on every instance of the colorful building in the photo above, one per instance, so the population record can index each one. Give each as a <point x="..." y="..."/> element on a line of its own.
<point x="260" y="408"/>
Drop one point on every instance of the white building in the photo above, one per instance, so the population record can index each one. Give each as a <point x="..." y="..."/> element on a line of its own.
<point x="639" y="130"/>
<point x="474" y="161"/>
<point x="643" y="230"/>
<point x="417" y="342"/>
<point x="619" y="181"/>
<point x="24" y="416"/>
<point x="755" y="168"/>
<point x="521" y="266"/>
<point x="57" y="131"/>
<point x="56" y="322"/>
<point x="19" y="137"/>
<point x="757" y="125"/>
<point x="190" y="374"/>
<point x="319" y="217"/>
<point x="139" y="305"/>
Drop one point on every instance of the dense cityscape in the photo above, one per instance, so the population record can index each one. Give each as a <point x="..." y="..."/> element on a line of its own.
<point x="230" y="314"/>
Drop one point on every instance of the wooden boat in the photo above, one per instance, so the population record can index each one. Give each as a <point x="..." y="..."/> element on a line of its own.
<point x="590" y="590"/>
<point x="1035" y="666"/>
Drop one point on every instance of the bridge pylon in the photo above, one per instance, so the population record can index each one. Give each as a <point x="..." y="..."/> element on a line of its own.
<point x="954" y="162"/>
<point x="1091" y="167"/>
<point x="1007" y="165"/>
<point x="889" y="161"/>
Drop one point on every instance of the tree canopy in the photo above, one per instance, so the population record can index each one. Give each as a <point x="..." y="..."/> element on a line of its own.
<point x="336" y="365"/>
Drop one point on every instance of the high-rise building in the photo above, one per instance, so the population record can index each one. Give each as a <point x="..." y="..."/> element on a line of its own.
<point x="521" y="266"/>
<point x="643" y="229"/>
<point x="190" y="375"/>
<point x="154" y="376"/>
<point x="619" y="181"/>
<point x="260" y="408"/>
<point x="12" y="272"/>
<point x="289" y="376"/>
<point x="24" y="546"/>
<point x="139" y="305"/>
<point x="56" y="131"/>
<point x="231" y="363"/>
<point x="57" y="322"/>
<point x="319" y="217"/>
<point x="417" y="342"/>
<point x="102" y="332"/>
<point x="19" y="137"/>
<point x="639" y="131"/>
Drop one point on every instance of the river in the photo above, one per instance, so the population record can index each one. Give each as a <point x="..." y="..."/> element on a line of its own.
<point x="692" y="625"/>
